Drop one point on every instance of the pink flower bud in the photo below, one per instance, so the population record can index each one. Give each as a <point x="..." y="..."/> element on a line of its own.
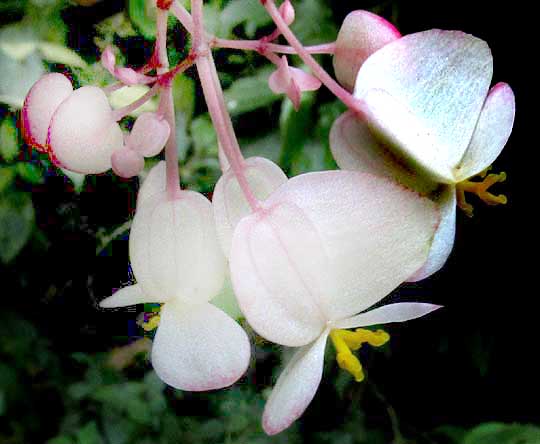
<point x="126" y="163"/>
<point x="149" y="134"/>
<point x="83" y="133"/>
<point x="108" y="60"/>
<point x="361" y="34"/>
<point x="292" y="81"/>
<point x="40" y="104"/>
<point x="287" y="12"/>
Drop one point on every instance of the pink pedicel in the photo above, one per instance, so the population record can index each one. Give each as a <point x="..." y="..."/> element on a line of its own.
<point x="292" y="81"/>
<point x="149" y="134"/>
<point x="40" y="104"/>
<point x="127" y="163"/>
<point x="362" y="33"/>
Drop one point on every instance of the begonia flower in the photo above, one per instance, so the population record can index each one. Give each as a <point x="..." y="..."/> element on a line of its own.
<point x="76" y="128"/>
<point x="431" y="122"/>
<point x="321" y="249"/>
<point x="177" y="261"/>
<point x="361" y="34"/>
<point x="149" y="134"/>
<point x="292" y="82"/>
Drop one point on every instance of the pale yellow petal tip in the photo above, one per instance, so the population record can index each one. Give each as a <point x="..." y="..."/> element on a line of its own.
<point x="481" y="190"/>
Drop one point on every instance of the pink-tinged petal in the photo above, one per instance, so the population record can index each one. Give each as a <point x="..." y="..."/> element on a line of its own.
<point x="355" y="148"/>
<point x="375" y="234"/>
<point x="108" y="60"/>
<point x="39" y="106"/>
<point x="443" y="241"/>
<point x="174" y="249"/>
<point x="149" y="134"/>
<point x="229" y="203"/>
<point x="295" y="387"/>
<point x="400" y="312"/>
<point x="276" y="262"/>
<point x="124" y="297"/>
<point x="304" y="80"/>
<point x="129" y="76"/>
<point x="361" y="34"/>
<point x="325" y="246"/>
<point x="127" y="163"/>
<point x="280" y="79"/>
<point x="397" y="127"/>
<point x="492" y="132"/>
<point x="199" y="348"/>
<point x="442" y="78"/>
<point x="153" y="184"/>
<point x="83" y="134"/>
<point x="287" y="12"/>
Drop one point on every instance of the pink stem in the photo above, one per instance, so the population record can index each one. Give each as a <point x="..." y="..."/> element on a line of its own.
<point x="198" y="28"/>
<point x="112" y="88"/>
<point x="340" y="92"/>
<point x="182" y="15"/>
<point x="123" y="112"/>
<point x="222" y="122"/>
<point x="260" y="45"/>
<point x="166" y="107"/>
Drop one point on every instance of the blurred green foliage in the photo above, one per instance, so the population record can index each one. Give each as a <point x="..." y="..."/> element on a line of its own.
<point x="77" y="396"/>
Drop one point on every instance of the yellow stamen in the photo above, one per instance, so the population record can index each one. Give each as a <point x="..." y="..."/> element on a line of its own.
<point x="481" y="190"/>
<point x="150" y="323"/>
<point x="344" y="341"/>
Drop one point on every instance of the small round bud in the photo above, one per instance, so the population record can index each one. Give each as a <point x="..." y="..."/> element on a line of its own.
<point x="361" y="34"/>
<point x="39" y="106"/>
<point x="149" y="134"/>
<point x="126" y="163"/>
<point x="287" y="12"/>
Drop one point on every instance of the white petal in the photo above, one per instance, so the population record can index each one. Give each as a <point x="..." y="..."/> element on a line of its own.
<point x="229" y="203"/>
<point x="83" y="134"/>
<point x="199" y="348"/>
<point x="40" y="104"/>
<point x="355" y="148"/>
<point x="295" y="387"/>
<point x="492" y="132"/>
<point x="174" y="249"/>
<point x="400" y="312"/>
<point x="442" y="77"/>
<point x="276" y="260"/>
<point x="361" y="34"/>
<point x="154" y="183"/>
<point x="124" y="297"/>
<point x="375" y="234"/>
<point x="149" y="134"/>
<point x="443" y="240"/>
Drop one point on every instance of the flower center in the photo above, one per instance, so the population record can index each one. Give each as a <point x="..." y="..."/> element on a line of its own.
<point x="481" y="190"/>
<point x="150" y="319"/>
<point x="346" y="341"/>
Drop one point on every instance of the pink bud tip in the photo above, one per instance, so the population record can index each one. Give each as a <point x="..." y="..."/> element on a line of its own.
<point x="127" y="163"/>
<point x="108" y="60"/>
<point x="149" y="134"/>
<point x="287" y="12"/>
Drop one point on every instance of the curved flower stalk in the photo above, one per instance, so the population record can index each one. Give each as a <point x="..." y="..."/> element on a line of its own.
<point x="431" y="122"/>
<point x="177" y="260"/>
<point x="322" y="248"/>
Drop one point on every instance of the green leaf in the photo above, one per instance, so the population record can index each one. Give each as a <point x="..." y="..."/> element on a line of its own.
<point x="499" y="433"/>
<point x="204" y="136"/>
<point x="60" y="440"/>
<point x="250" y="93"/>
<point x="56" y="53"/>
<point x="251" y="13"/>
<point x="16" y="224"/>
<point x="143" y="15"/>
<point x="30" y="172"/>
<point x="89" y="434"/>
<point x="295" y="127"/>
<point x="7" y="176"/>
<point x="9" y="143"/>
<point x="184" y="96"/>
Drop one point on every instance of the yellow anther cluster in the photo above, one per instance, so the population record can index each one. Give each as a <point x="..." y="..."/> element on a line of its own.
<point x="151" y="324"/>
<point x="344" y="341"/>
<point x="481" y="190"/>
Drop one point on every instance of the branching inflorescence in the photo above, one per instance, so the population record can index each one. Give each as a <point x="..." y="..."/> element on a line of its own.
<point x="307" y="256"/>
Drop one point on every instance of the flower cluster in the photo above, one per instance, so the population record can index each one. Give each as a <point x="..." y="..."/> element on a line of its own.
<point x="308" y="257"/>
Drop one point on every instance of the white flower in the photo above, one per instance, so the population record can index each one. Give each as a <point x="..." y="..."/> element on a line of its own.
<point x="177" y="260"/>
<point x="322" y="248"/>
<point x="431" y="122"/>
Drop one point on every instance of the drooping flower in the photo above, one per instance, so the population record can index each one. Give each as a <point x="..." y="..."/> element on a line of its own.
<point x="177" y="261"/>
<point x="292" y="82"/>
<point x="322" y="248"/>
<point x="76" y="128"/>
<point x="431" y="122"/>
